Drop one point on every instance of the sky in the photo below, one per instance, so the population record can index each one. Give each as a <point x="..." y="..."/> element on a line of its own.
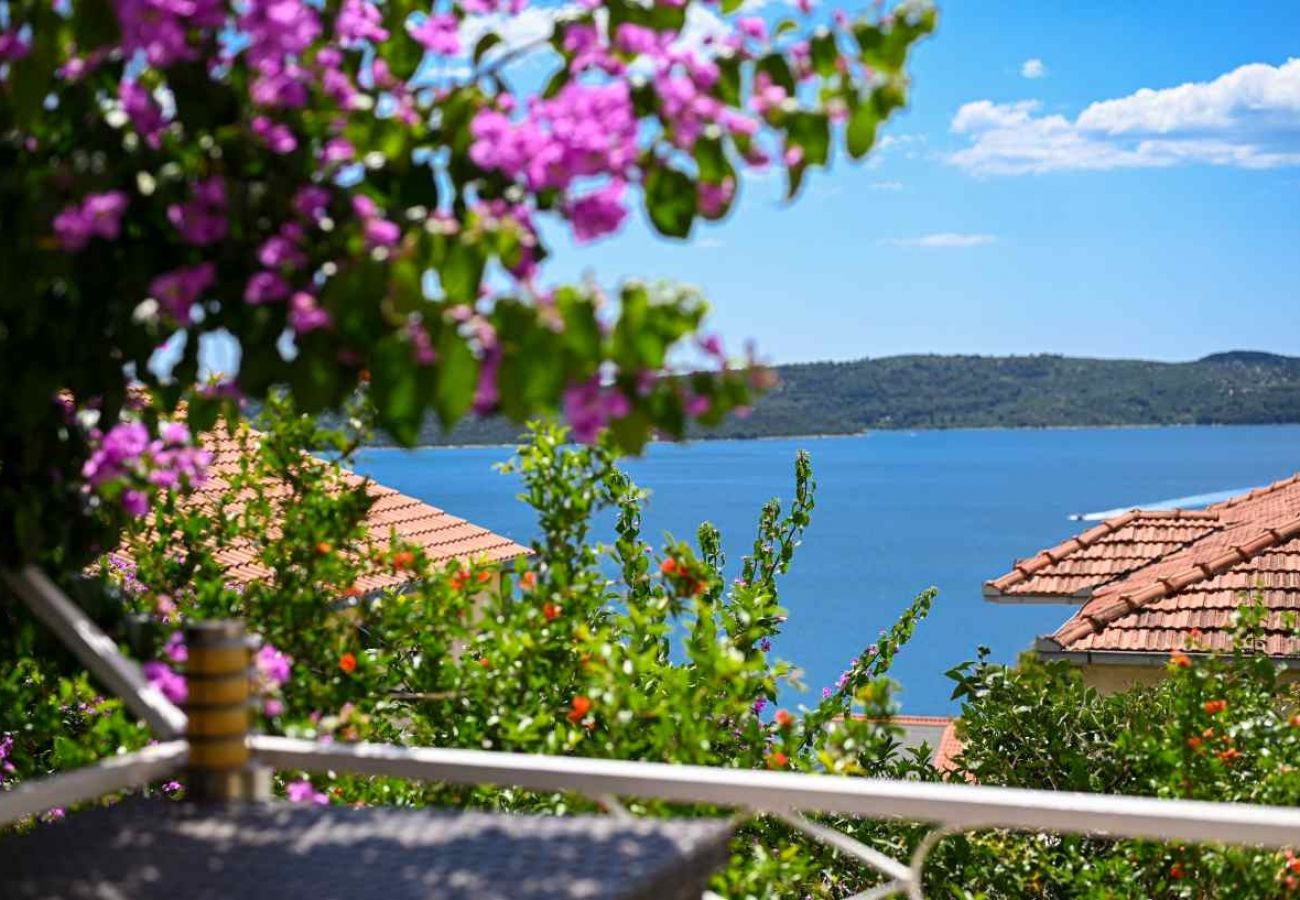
<point x="1102" y="178"/>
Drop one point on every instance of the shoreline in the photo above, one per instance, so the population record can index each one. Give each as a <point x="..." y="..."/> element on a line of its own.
<point x="866" y="433"/>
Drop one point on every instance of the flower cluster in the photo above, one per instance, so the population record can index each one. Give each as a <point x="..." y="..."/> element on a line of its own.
<point x="129" y="464"/>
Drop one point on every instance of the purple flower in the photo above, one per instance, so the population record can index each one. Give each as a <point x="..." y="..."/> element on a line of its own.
<point x="438" y="34"/>
<point x="272" y="707"/>
<point x="588" y="407"/>
<point x="145" y="114"/>
<point x="99" y="215"/>
<point x="636" y="39"/>
<point x="752" y="27"/>
<point x="276" y="135"/>
<point x="202" y="220"/>
<point x="272" y="665"/>
<point x="305" y="314"/>
<point x="135" y="503"/>
<point x="305" y="792"/>
<point x="598" y="214"/>
<point x="160" y="28"/>
<point x="175" y="648"/>
<point x="381" y="233"/>
<point x="13" y="47"/>
<point x="759" y="705"/>
<point x="161" y="676"/>
<point x="265" y="287"/>
<point x="179" y="289"/>
<point x="278" y="250"/>
<point x="311" y="202"/>
<point x="359" y="21"/>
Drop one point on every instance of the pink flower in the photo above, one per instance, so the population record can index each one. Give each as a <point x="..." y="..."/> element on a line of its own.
<point x="598" y="214"/>
<point x="636" y="39"/>
<point x="98" y="215"/>
<point x="438" y="33"/>
<point x="135" y="503"/>
<point x="202" y="220"/>
<point x="588" y="407"/>
<point x="179" y="289"/>
<point x="13" y="47"/>
<point x="278" y="251"/>
<point x="265" y="287"/>
<point x="752" y="27"/>
<point x="305" y="314"/>
<point x="381" y="233"/>
<point x="359" y="21"/>
<point x="713" y="198"/>
<point x="305" y="792"/>
<point x="161" y="676"/>
<point x="277" y="136"/>
<point x="272" y="665"/>
<point x="311" y="202"/>
<point x="145" y="114"/>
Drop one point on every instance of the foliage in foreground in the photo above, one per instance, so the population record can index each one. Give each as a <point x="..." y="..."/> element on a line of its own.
<point x="625" y="651"/>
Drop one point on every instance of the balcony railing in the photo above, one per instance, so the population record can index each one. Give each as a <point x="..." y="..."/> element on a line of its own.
<point x="949" y="807"/>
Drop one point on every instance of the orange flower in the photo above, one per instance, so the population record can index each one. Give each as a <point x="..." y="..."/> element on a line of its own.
<point x="1179" y="660"/>
<point x="485" y="662"/>
<point x="484" y="577"/>
<point x="364" y="376"/>
<point x="550" y="611"/>
<point x="579" y="708"/>
<point x="1228" y="755"/>
<point x="528" y="580"/>
<point x="458" y="580"/>
<point x="1176" y="871"/>
<point x="1295" y="721"/>
<point x="783" y="719"/>
<point x="1215" y="706"/>
<point x="348" y="663"/>
<point x="777" y="760"/>
<point x="668" y="566"/>
<point x="700" y="588"/>
<point x="324" y="548"/>
<point x="1194" y="742"/>
<point x="403" y="560"/>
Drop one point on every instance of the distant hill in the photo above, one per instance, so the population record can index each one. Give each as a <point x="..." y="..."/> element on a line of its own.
<point x="1239" y="387"/>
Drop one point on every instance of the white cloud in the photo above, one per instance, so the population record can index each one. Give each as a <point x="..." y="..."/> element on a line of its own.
<point x="943" y="239"/>
<point x="1033" y="68"/>
<point x="885" y="186"/>
<point x="1247" y="118"/>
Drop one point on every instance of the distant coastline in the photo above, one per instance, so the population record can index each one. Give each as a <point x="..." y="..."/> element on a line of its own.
<point x="915" y="393"/>
<point x="697" y="438"/>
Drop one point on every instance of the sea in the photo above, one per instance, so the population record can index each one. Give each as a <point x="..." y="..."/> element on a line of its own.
<point x="896" y="513"/>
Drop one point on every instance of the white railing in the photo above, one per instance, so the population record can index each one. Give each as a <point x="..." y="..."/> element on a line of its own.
<point x="950" y="807"/>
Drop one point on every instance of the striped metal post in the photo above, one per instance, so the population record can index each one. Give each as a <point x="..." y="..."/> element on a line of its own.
<point x="218" y="676"/>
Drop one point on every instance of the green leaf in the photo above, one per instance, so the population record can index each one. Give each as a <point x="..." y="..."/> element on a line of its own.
<point x="860" y="134"/>
<point x="811" y="132"/>
<point x="670" y="201"/>
<point x="776" y="68"/>
<point x="457" y="378"/>
<point x="485" y="43"/>
<point x="95" y="25"/>
<point x="824" y="52"/>
<point x="461" y="272"/>
<point x="394" y="389"/>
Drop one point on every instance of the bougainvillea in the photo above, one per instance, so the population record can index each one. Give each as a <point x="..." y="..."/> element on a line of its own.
<point x="351" y="191"/>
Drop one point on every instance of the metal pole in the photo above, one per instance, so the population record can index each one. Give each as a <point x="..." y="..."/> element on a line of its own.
<point x="218" y="678"/>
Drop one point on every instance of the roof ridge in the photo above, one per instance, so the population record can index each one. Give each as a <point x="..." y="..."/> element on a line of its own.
<point x="1024" y="569"/>
<point x="1082" y="624"/>
<point x="1255" y="493"/>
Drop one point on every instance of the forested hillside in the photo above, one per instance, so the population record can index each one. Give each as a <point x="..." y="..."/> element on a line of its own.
<point x="1241" y="387"/>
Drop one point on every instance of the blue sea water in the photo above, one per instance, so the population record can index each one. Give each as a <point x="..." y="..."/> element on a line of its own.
<point x="897" y="512"/>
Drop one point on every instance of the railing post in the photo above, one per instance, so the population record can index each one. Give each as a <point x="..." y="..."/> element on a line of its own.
<point x="218" y="676"/>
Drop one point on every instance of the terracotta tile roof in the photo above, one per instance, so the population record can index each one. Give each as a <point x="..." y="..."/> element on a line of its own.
<point x="442" y="536"/>
<point x="1248" y="546"/>
<point x="1080" y="565"/>
<point x="950" y="747"/>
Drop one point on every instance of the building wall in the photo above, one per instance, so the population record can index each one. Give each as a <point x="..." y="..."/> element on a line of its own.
<point x="1111" y="679"/>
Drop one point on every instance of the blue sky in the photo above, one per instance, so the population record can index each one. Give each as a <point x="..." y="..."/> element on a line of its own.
<point x="1185" y="245"/>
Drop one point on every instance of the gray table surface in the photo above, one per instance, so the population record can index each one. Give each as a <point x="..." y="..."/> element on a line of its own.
<point x="159" y="850"/>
